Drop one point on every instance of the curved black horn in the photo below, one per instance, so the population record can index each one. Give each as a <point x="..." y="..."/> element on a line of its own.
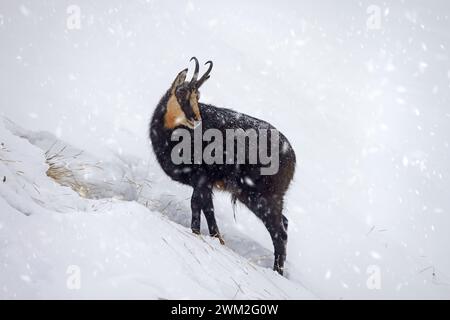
<point x="206" y="75"/>
<point x="197" y="68"/>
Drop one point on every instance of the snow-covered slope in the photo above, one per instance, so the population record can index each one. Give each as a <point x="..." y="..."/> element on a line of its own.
<point x="121" y="244"/>
<point x="366" y="110"/>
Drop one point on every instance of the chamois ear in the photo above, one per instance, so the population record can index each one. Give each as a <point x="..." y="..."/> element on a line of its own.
<point x="178" y="80"/>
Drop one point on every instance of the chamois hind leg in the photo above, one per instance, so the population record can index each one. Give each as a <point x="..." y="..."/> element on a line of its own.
<point x="269" y="210"/>
<point x="278" y="234"/>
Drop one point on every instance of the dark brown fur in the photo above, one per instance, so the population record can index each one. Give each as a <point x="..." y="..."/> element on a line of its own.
<point x="179" y="107"/>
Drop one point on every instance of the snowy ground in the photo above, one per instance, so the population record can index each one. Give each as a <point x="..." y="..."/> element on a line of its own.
<point x="122" y="237"/>
<point x="367" y="111"/>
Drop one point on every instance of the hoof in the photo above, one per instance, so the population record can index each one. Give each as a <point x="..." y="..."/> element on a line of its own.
<point x="278" y="269"/>
<point x="218" y="236"/>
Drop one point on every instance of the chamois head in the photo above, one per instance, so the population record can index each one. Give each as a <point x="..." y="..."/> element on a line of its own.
<point x="182" y="106"/>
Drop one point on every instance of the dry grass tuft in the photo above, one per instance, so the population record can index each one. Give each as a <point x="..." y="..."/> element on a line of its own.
<point x="59" y="171"/>
<point x="71" y="171"/>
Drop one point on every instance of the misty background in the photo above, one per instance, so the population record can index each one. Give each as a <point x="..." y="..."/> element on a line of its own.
<point x="360" y="88"/>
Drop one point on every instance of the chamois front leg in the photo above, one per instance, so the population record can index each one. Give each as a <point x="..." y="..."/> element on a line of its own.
<point x="208" y="210"/>
<point x="196" y="207"/>
<point x="201" y="200"/>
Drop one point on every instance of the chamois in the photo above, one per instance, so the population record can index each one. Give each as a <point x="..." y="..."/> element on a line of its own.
<point x="263" y="194"/>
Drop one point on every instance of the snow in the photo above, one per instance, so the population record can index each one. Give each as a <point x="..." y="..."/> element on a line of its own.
<point x="365" y="109"/>
<point x="120" y="245"/>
